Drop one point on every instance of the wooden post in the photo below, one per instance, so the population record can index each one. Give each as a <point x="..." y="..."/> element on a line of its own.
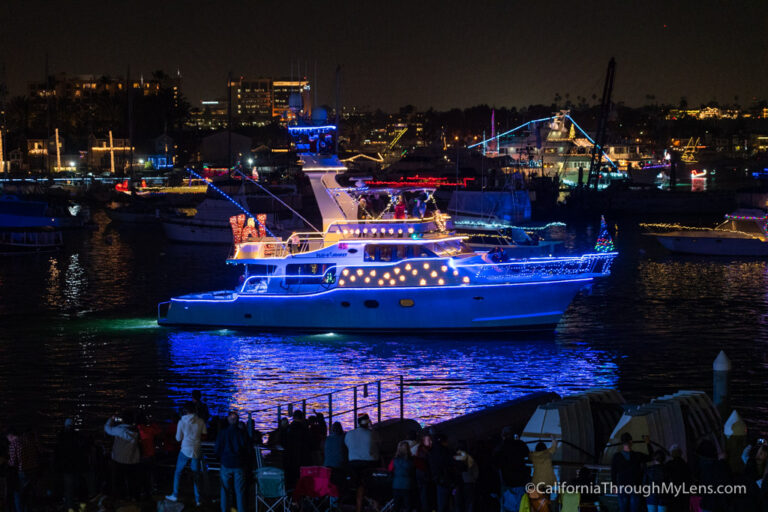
<point x="378" y="401"/>
<point x="111" y="154"/>
<point x="304" y="407"/>
<point x="2" y="159"/>
<point x="401" y="398"/>
<point x="330" y="409"/>
<point x="58" y="152"/>
<point x="279" y="414"/>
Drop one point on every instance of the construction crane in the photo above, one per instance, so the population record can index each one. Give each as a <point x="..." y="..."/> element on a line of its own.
<point x="398" y="136"/>
<point x="605" y="110"/>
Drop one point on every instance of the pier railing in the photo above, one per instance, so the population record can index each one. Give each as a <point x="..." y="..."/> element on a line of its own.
<point x="365" y="397"/>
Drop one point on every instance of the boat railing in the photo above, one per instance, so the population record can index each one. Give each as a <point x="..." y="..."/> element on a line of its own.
<point x="368" y="397"/>
<point x="597" y="263"/>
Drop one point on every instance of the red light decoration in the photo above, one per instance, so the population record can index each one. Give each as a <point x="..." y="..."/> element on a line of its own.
<point x="237" y="222"/>
<point x="420" y="182"/>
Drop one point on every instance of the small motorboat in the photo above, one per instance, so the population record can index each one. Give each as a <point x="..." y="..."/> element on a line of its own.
<point x="514" y="242"/>
<point x="743" y="233"/>
<point x="25" y="241"/>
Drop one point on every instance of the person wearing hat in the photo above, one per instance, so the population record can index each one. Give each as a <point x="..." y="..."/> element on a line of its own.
<point x="363" y="446"/>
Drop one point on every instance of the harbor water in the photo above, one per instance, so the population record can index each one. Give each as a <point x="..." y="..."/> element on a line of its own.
<point x="78" y="337"/>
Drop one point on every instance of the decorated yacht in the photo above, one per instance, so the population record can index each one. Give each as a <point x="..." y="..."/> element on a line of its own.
<point x="380" y="273"/>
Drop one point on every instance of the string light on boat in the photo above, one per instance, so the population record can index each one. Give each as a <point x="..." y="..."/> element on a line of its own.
<point x="396" y="270"/>
<point x="407" y="266"/>
<point x="386" y="275"/>
<point x="426" y="266"/>
<point x="373" y="273"/>
<point x="392" y="282"/>
<point x="402" y="278"/>
<point x="444" y="268"/>
<point x="433" y="274"/>
<point x="351" y="279"/>
<point x="466" y="279"/>
<point x="359" y="272"/>
<point x="367" y="280"/>
<point x="423" y="282"/>
<point x="441" y="281"/>
<point x="345" y="272"/>
<point x="381" y="282"/>
<point x="341" y="282"/>
<point x="414" y="272"/>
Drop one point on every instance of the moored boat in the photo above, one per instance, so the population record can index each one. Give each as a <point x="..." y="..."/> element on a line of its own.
<point x="743" y="233"/>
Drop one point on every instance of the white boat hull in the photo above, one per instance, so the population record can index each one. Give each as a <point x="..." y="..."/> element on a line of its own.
<point x="714" y="246"/>
<point x="512" y="306"/>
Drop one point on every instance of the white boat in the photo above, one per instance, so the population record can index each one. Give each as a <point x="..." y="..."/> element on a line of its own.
<point x="510" y="243"/>
<point x="743" y="233"/>
<point x="381" y="275"/>
<point x="210" y="222"/>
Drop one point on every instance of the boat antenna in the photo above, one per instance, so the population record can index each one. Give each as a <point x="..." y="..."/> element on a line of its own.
<point x="238" y="205"/>
<point x="241" y="173"/>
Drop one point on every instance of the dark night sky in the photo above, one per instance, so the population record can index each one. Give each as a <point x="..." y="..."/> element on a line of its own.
<point x="428" y="53"/>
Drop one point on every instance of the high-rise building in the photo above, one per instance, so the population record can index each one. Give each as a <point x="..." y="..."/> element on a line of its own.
<point x="251" y="100"/>
<point x="291" y="99"/>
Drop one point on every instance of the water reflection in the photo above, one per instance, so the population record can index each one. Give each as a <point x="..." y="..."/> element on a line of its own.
<point x="445" y="377"/>
<point x="78" y="337"/>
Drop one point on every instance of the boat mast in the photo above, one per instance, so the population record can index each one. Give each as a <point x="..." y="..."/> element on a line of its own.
<point x="605" y="109"/>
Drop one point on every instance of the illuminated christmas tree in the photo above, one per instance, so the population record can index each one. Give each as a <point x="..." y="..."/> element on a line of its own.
<point x="604" y="240"/>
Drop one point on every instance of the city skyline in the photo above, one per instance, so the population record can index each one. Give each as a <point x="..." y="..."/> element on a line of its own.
<point x="438" y="55"/>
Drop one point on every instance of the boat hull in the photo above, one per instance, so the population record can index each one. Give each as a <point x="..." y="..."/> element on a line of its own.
<point x="512" y="306"/>
<point x="714" y="246"/>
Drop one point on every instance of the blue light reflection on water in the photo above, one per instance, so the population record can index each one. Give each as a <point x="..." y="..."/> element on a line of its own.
<point x="446" y="377"/>
<point x="78" y="337"/>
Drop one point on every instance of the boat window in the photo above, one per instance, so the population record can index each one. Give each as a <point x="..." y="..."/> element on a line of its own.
<point x="309" y="273"/>
<point x="261" y="270"/>
<point x="371" y="304"/>
<point x="401" y="252"/>
<point x="406" y="303"/>
<point x="450" y="248"/>
<point x="386" y="253"/>
<point x="370" y="253"/>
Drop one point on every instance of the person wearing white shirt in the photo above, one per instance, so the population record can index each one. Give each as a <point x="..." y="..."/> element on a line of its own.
<point x="189" y="433"/>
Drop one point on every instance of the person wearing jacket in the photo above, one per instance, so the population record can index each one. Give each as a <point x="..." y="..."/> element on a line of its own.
<point x="470" y="472"/>
<point x="627" y="472"/>
<point x="656" y="476"/>
<point x="543" y="473"/>
<point x="444" y="472"/>
<point x="509" y="459"/>
<point x="189" y="433"/>
<point x="126" y="454"/>
<point x="232" y="451"/>
<point x="403" y="477"/>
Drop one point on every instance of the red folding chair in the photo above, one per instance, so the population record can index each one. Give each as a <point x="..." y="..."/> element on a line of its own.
<point x="315" y="490"/>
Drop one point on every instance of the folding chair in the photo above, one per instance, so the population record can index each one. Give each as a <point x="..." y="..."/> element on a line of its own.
<point x="315" y="489"/>
<point x="270" y="490"/>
